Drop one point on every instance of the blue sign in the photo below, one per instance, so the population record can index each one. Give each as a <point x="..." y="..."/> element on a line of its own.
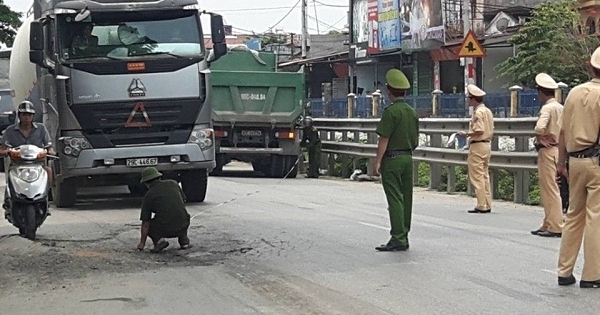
<point x="254" y="44"/>
<point x="389" y="26"/>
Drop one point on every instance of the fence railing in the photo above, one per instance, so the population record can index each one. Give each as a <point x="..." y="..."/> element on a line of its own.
<point x="355" y="138"/>
<point x="514" y="103"/>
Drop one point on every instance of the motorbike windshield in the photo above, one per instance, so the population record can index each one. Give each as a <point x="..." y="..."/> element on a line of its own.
<point x="124" y="35"/>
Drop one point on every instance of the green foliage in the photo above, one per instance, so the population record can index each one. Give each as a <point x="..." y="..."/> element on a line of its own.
<point x="506" y="183"/>
<point x="551" y="42"/>
<point x="9" y="24"/>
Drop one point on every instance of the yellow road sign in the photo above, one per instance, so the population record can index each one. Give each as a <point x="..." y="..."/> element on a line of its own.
<point x="471" y="47"/>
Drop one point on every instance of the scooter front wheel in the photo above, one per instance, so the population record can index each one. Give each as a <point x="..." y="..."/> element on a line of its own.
<point x="30" y="222"/>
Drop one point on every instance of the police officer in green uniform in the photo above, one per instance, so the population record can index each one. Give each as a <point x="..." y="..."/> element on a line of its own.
<point x="311" y="135"/>
<point x="398" y="133"/>
<point x="166" y="200"/>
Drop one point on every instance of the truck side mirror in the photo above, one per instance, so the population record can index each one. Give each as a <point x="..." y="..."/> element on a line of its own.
<point x="218" y="36"/>
<point x="36" y="36"/>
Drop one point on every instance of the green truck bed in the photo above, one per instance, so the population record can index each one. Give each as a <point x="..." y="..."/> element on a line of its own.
<point x="248" y="92"/>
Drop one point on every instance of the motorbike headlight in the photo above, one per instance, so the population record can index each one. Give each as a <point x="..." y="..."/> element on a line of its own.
<point x="28" y="174"/>
<point x="202" y="137"/>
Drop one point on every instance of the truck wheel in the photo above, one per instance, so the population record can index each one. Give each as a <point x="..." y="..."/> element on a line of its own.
<point x="137" y="189"/>
<point x="277" y="167"/>
<point x="194" y="185"/>
<point x="64" y="194"/>
<point x="291" y="165"/>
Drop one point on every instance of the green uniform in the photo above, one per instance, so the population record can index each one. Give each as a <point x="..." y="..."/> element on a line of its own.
<point x="311" y="135"/>
<point x="166" y="200"/>
<point x="400" y="124"/>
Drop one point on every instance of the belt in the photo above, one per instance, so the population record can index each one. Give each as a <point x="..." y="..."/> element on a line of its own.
<point x="586" y="153"/>
<point x="477" y="141"/>
<point x="396" y="152"/>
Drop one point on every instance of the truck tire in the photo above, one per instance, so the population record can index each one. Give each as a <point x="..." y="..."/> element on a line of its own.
<point x="194" y="185"/>
<point x="137" y="189"/>
<point x="291" y="166"/>
<point x="64" y="194"/>
<point x="278" y="166"/>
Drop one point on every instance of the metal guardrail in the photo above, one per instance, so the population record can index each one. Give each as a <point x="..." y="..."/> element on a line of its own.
<point x="335" y="140"/>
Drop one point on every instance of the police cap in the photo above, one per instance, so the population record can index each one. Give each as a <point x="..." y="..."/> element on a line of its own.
<point x="544" y="80"/>
<point x="397" y="80"/>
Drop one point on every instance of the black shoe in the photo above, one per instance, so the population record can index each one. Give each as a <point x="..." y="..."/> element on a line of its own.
<point x="589" y="284"/>
<point x="536" y="232"/>
<point x="549" y="234"/>
<point x="391" y="247"/>
<point x="567" y="280"/>
<point x="479" y="211"/>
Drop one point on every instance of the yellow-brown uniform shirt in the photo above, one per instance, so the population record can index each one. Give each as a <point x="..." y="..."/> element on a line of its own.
<point x="581" y="116"/>
<point x="548" y="125"/>
<point x="482" y="120"/>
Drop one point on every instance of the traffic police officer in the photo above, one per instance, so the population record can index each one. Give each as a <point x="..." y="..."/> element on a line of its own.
<point x="481" y="131"/>
<point x="579" y="137"/>
<point x="398" y="133"/>
<point x="311" y="135"/>
<point x="547" y="131"/>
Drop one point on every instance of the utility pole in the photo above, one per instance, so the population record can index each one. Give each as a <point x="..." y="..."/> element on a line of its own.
<point x="466" y="7"/>
<point x="304" y="29"/>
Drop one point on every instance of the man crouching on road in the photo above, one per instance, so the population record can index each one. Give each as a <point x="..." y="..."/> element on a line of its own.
<point x="166" y="200"/>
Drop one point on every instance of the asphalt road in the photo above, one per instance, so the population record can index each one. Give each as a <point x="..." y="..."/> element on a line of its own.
<point x="297" y="246"/>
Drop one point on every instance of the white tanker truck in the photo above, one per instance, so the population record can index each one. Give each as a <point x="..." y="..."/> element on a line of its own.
<point x="134" y="92"/>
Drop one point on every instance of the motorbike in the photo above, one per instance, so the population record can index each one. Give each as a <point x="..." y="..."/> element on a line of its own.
<point x="27" y="188"/>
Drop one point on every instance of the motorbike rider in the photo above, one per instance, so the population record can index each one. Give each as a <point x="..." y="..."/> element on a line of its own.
<point x="25" y="131"/>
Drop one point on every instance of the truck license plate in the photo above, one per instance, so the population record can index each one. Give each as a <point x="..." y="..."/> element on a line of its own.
<point x="142" y="162"/>
<point x="251" y="133"/>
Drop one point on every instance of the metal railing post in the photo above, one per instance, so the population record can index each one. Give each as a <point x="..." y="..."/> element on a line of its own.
<point x="351" y="102"/>
<point x="435" y="102"/>
<point x="514" y="100"/>
<point x="376" y="100"/>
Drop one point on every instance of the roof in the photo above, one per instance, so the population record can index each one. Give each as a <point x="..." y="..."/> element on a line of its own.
<point x="230" y="40"/>
<point x="322" y="47"/>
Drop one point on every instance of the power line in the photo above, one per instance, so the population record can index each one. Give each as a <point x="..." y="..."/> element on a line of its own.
<point x="286" y="15"/>
<point x="331" y="5"/>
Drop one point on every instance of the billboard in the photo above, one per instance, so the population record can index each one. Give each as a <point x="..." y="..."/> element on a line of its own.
<point x="384" y="25"/>
<point x="360" y="30"/>
<point x="389" y="26"/>
<point x="372" y="26"/>
<point x="422" y="24"/>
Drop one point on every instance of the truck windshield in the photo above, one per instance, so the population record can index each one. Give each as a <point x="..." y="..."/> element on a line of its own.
<point x="119" y="35"/>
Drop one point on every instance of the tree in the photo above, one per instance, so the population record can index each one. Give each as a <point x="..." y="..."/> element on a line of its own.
<point x="9" y="24"/>
<point x="554" y="41"/>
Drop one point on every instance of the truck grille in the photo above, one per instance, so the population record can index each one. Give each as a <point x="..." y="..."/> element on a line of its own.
<point x="109" y="125"/>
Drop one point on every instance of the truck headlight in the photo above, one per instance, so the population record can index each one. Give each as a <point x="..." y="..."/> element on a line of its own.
<point x="202" y="137"/>
<point x="74" y="145"/>
<point x="28" y="174"/>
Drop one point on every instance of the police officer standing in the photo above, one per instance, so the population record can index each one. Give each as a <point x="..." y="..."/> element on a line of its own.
<point x="547" y="131"/>
<point x="311" y="135"/>
<point x="398" y="133"/>
<point x="481" y="131"/>
<point x="579" y="137"/>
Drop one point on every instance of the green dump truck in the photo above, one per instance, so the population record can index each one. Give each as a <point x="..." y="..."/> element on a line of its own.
<point x="256" y="112"/>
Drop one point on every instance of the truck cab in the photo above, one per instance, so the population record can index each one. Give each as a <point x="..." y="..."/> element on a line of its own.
<point x="123" y="85"/>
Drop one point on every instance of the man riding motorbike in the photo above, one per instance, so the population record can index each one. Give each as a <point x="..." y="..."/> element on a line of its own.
<point x="25" y="131"/>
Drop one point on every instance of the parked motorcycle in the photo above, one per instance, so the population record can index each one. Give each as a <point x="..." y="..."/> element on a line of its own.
<point x="27" y="188"/>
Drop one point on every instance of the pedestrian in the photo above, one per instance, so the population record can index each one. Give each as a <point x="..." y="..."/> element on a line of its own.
<point x="311" y="136"/>
<point x="398" y="132"/>
<point x="481" y="131"/>
<point x="547" y="131"/>
<point x="166" y="200"/>
<point x="578" y="141"/>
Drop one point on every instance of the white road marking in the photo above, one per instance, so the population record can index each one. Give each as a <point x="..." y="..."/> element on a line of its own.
<point x="375" y="226"/>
